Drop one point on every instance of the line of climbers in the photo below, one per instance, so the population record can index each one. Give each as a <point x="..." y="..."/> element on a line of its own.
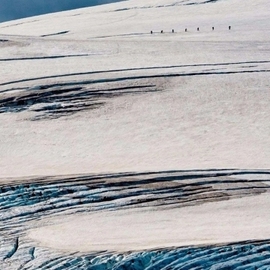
<point x="198" y="29"/>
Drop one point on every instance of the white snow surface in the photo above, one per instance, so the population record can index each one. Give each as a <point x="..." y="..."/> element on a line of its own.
<point x="223" y="222"/>
<point x="210" y="109"/>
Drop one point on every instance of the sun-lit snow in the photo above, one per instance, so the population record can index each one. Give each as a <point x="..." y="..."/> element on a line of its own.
<point x="90" y="93"/>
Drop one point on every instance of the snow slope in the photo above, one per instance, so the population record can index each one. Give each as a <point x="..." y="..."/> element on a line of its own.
<point x="88" y="94"/>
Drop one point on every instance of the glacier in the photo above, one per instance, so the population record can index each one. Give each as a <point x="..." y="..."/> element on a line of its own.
<point x="131" y="140"/>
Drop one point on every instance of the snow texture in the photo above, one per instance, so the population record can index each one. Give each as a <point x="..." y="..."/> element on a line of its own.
<point x="136" y="135"/>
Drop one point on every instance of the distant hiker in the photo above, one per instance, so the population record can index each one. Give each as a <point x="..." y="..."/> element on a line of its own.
<point x="230" y="27"/>
<point x="186" y="30"/>
<point x="161" y="31"/>
<point x="213" y="28"/>
<point x="172" y="30"/>
<point x="151" y="32"/>
<point x="198" y="28"/>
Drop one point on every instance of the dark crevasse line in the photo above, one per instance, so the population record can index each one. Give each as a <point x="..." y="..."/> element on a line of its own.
<point x="37" y="199"/>
<point x="134" y="69"/>
<point x="42" y="57"/>
<point x="201" y="3"/>
<point x="119" y="79"/>
<point x="70" y="93"/>
<point x="50" y="104"/>
<point x="170" y="75"/>
<point x="244" y="255"/>
<point x="77" y="194"/>
<point x="99" y="180"/>
<point x="55" y="34"/>
<point x="64" y="102"/>
<point x="13" y="250"/>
